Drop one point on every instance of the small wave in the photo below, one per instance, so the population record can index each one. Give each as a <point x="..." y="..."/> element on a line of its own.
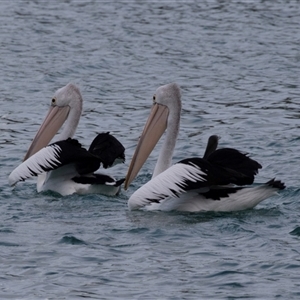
<point x="8" y="244"/>
<point x="72" y="240"/>
<point x="296" y="231"/>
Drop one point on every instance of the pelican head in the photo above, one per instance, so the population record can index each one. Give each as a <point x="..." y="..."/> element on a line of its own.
<point x="66" y="105"/>
<point x="165" y="113"/>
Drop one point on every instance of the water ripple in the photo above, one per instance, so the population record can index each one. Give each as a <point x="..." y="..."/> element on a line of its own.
<point x="237" y="63"/>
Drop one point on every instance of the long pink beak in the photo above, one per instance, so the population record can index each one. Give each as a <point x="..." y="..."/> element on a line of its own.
<point x="153" y="130"/>
<point x="55" y="118"/>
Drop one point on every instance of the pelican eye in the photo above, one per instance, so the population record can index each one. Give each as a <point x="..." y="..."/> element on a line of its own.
<point x="53" y="100"/>
<point x="154" y="98"/>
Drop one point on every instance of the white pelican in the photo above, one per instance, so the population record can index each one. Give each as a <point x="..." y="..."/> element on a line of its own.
<point x="212" y="183"/>
<point x="64" y="166"/>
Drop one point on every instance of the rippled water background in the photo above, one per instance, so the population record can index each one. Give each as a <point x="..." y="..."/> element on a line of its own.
<point x="238" y="65"/>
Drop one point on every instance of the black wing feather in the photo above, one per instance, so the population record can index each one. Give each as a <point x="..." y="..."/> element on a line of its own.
<point x="98" y="179"/>
<point x="235" y="163"/>
<point x="212" y="145"/>
<point x="219" y="193"/>
<point x="73" y="152"/>
<point x="215" y="174"/>
<point x="107" y="149"/>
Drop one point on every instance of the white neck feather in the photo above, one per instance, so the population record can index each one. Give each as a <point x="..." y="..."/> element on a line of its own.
<point x="70" y="124"/>
<point x="70" y="96"/>
<point x="166" y="153"/>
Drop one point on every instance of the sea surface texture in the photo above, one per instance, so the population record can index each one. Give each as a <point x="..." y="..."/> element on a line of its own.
<point x="238" y="66"/>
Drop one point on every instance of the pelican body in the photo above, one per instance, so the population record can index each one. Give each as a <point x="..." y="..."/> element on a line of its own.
<point x="65" y="166"/>
<point x="219" y="181"/>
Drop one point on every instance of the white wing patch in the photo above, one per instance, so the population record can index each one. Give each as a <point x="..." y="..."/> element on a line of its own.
<point x="166" y="185"/>
<point x="44" y="160"/>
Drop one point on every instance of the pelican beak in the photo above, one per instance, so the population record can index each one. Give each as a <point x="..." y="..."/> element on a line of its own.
<point x="153" y="130"/>
<point x="55" y="118"/>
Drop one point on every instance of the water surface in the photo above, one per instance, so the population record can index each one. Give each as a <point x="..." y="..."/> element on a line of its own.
<point x="238" y="67"/>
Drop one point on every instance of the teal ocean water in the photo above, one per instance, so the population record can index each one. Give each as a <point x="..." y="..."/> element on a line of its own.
<point x="237" y="63"/>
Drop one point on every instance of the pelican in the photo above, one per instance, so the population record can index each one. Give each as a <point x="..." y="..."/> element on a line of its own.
<point x="65" y="166"/>
<point x="220" y="181"/>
